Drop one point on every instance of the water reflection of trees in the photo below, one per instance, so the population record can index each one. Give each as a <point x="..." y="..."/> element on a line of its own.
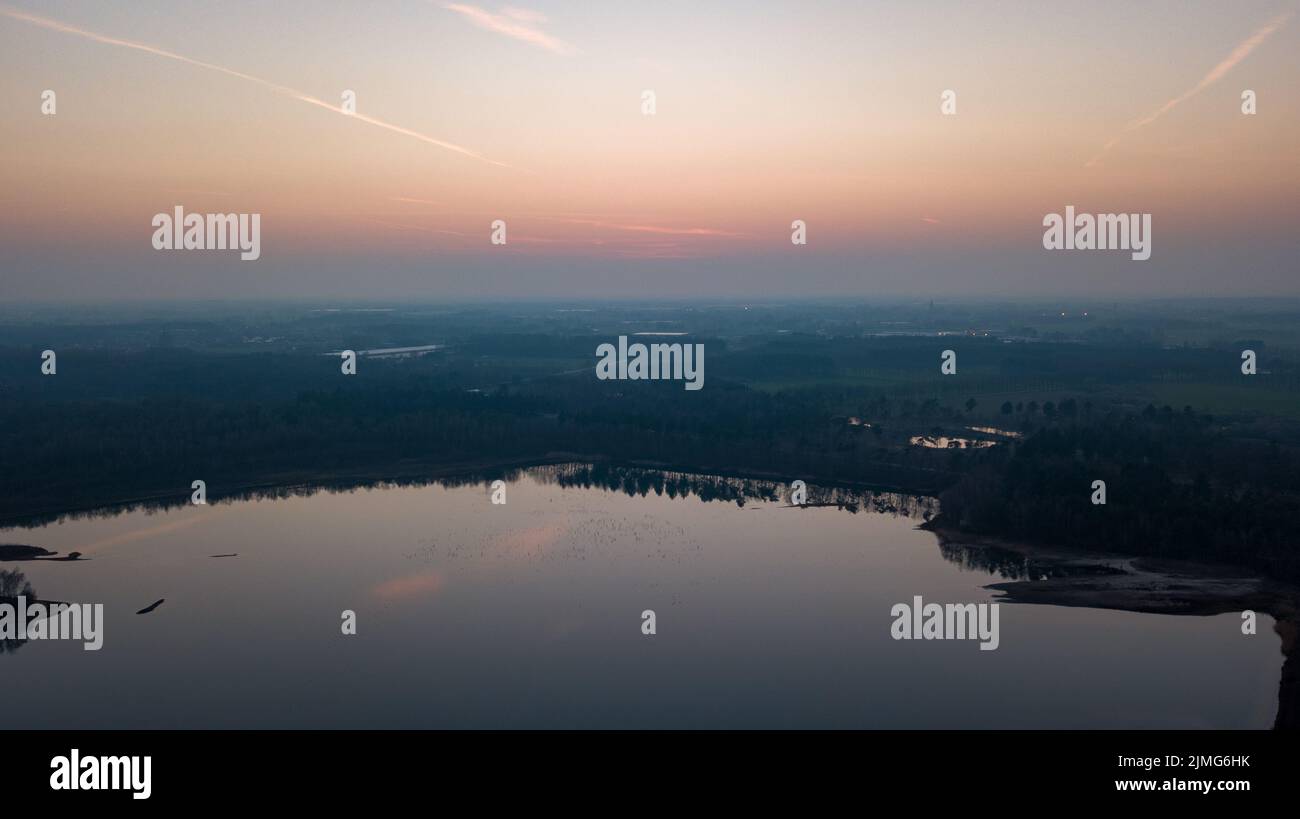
<point x="1002" y="562"/>
<point x="302" y="490"/>
<point x="633" y="481"/>
<point x="1013" y="565"/>
<point x="13" y="584"/>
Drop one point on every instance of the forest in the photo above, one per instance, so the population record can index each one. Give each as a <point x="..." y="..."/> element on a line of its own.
<point x="1198" y="459"/>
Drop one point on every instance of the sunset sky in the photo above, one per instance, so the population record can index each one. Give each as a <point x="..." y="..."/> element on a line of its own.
<point x="766" y="112"/>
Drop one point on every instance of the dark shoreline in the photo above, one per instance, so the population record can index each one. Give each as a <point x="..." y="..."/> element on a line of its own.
<point x="1150" y="586"/>
<point x="1202" y="588"/>
<point x="415" y="472"/>
<point x="1098" y="579"/>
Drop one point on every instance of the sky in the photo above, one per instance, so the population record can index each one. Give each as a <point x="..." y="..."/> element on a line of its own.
<point x="764" y="113"/>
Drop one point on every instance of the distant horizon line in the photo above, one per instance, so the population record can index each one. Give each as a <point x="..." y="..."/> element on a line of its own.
<point x="397" y="303"/>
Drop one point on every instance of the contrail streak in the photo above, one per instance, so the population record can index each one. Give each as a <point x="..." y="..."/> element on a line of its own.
<point x="1225" y="65"/>
<point x="55" y="25"/>
<point x="516" y="23"/>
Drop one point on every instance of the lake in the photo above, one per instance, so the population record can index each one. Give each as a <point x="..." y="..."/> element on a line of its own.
<point x="528" y="614"/>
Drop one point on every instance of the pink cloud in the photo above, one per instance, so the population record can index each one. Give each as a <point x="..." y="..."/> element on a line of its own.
<point x="519" y="24"/>
<point x="416" y="585"/>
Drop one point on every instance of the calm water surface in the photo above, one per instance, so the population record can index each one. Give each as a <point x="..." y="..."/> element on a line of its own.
<point x="528" y="615"/>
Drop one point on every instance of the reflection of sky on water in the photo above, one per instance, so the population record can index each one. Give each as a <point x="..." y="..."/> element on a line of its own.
<point x="528" y="614"/>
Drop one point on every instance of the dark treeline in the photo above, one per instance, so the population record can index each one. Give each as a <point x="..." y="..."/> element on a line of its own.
<point x="1177" y="485"/>
<point x="63" y="452"/>
<point x="832" y="395"/>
